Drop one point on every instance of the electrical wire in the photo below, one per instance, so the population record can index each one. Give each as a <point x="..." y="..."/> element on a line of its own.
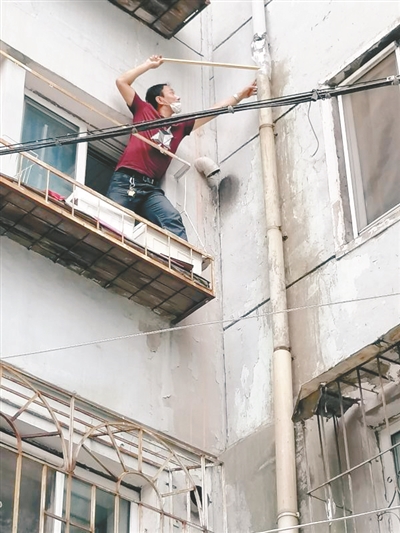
<point x="313" y="130"/>
<point x="330" y="521"/>
<point x="199" y="324"/>
<point x="118" y="131"/>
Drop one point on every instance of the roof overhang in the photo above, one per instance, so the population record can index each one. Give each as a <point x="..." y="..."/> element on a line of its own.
<point x="165" y="17"/>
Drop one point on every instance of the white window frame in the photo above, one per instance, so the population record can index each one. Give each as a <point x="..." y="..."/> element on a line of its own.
<point x="354" y="183"/>
<point x="81" y="148"/>
<point x="385" y="440"/>
<point x="344" y="242"/>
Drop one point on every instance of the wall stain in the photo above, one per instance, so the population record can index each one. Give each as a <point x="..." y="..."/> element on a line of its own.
<point x="228" y="190"/>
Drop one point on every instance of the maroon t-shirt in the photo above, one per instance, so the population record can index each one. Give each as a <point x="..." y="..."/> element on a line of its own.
<point x="142" y="157"/>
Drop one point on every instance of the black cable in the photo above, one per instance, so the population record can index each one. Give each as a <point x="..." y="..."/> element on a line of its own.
<point x="118" y="131"/>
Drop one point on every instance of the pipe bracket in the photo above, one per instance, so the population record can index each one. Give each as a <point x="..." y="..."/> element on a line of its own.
<point x="266" y="125"/>
<point x="286" y="348"/>
<point x="294" y="514"/>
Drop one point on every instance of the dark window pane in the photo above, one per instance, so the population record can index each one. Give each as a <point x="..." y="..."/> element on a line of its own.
<point x="29" y="498"/>
<point x="99" y="169"/>
<point x="396" y="455"/>
<point x="124" y="516"/>
<point x="104" y="512"/>
<point x="376" y="116"/>
<point x="40" y="123"/>
<point x="8" y="462"/>
<point x="80" y="502"/>
<point x="53" y="526"/>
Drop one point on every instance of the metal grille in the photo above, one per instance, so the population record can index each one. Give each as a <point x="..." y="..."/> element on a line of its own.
<point x="348" y="434"/>
<point x="167" y="485"/>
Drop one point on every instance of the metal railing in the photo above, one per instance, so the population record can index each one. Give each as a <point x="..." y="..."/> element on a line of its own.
<point x="169" y="485"/>
<point x="112" y="219"/>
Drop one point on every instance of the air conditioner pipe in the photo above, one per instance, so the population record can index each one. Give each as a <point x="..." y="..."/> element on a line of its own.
<point x="206" y="166"/>
<point x="285" y="454"/>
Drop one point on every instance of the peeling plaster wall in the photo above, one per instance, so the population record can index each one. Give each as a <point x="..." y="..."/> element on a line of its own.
<point x="308" y="41"/>
<point x="160" y="380"/>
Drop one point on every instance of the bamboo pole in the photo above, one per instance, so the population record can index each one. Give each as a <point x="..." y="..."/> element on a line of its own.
<point x="158" y="147"/>
<point x="209" y="63"/>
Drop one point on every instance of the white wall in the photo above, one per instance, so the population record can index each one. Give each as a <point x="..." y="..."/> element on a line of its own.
<point x="160" y="380"/>
<point x="308" y="42"/>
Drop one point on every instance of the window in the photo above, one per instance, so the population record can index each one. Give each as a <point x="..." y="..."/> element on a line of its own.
<point x="66" y="500"/>
<point x="41" y="123"/>
<point x="92" y="166"/>
<point x="370" y="125"/>
<point x="350" y="425"/>
<point x="67" y="466"/>
<point x="396" y="455"/>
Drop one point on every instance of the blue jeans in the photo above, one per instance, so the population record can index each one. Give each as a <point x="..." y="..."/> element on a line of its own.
<point x="149" y="202"/>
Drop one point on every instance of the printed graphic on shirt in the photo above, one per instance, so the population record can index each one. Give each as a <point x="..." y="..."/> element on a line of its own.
<point x="163" y="137"/>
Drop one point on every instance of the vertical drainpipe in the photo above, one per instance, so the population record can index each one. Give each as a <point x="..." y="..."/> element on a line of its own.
<point x="285" y="455"/>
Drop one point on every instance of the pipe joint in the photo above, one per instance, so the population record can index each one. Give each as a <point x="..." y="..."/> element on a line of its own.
<point x="293" y="514"/>
<point x="285" y="348"/>
<point x="266" y="125"/>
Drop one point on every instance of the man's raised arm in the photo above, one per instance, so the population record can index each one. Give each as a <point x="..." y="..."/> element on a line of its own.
<point x="125" y="81"/>
<point x="246" y="92"/>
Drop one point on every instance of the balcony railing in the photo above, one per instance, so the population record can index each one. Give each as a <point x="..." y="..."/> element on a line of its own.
<point x="97" y="238"/>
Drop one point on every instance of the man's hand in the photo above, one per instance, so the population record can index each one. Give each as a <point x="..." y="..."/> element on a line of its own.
<point x="249" y="90"/>
<point x="246" y="92"/>
<point x="154" y="61"/>
<point x="125" y="81"/>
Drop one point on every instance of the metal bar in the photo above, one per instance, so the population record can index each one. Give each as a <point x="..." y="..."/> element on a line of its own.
<point x="24" y="407"/>
<point x="42" y="499"/>
<point x="87" y="450"/>
<point x="68" y="502"/>
<point x="364" y="418"/>
<point x="117" y="450"/>
<point x="116" y="513"/>
<point x="383" y="394"/>
<point x="140" y="451"/>
<point x="393" y="361"/>
<point x="93" y="508"/>
<point x="347" y="454"/>
<point x="372" y="372"/>
<point x="17" y="489"/>
<point x="167" y="460"/>
<point x="355" y="467"/>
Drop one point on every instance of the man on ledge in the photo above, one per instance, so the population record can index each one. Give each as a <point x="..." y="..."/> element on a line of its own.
<point x="135" y="182"/>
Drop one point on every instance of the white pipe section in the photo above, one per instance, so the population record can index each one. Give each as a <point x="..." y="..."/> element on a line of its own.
<point x="285" y="453"/>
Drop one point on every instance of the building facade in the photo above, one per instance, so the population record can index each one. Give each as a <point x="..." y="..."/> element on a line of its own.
<point x="153" y="409"/>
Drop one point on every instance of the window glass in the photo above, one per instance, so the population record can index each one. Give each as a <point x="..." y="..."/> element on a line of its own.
<point x="40" y="123"/>
<point x="99" y="169"/>
<point x="80" y="502"/>
<point x="104" y="512"/>
<point x="396" y="455"/>
<point x="8" y="461"/>
<point x="372" y="120"/>
<point x="29" y="497"/>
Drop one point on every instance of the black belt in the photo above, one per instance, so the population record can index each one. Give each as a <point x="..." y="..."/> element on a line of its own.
<point x="140" y="178"/>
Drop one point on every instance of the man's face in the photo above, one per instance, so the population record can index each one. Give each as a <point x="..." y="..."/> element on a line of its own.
<point x="169" y="95"/>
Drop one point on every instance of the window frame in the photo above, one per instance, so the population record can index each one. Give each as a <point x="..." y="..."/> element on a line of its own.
<point x="347" y="128"/>
<point x="81" y="148"/>
<point x="347" y="234"/>
<point x="94" y="481"/>
<point x="385" y="441"/>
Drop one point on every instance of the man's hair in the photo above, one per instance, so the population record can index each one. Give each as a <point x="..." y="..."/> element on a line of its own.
<point x="153" y="92"/>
